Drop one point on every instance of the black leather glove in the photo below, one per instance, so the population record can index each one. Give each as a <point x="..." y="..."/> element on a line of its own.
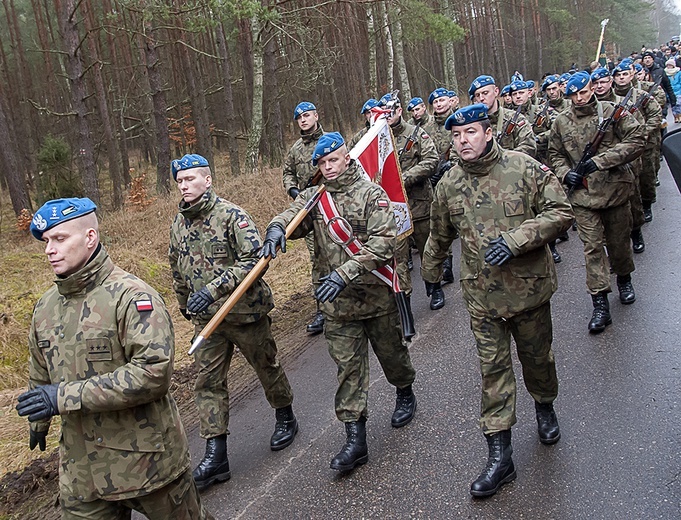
<point x="39" y="403"/>
<point x="430" y="287"/>
<point x="590" y="167"/>
<point x="186" y="314"/>
<point x="442" y="168"/>
<point x="199" y="301"/>
<point x="293" y="193"/>
<point x="37" y="439"/>
<point x="275" y="236"/>
<point x="332" y="285"/>
<point x="498" y="252"/>
<point x="573" y="179"/>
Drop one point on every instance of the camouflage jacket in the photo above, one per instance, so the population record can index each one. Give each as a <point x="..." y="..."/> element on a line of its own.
<point x="425" y="120"/>
<point x="298" y="169"/>
<point x="418" y="164"/>
<point x="521" y="138"/>
<point x="559" y="104"/>
<point x="612" y="183"/>
<point x="356" y="138"/>
<point x="532" y="113"/>
<point x="435" y="128"/>
<point x="215" y="244"/>
<point x="504" y="193"/>
<point x="106" y="337"/>
<point x="368" y="210"/>
<point x="659" y="93"/>
<point x="649" y="113"/>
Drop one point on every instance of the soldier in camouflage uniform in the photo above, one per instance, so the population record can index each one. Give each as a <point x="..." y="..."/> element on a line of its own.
<point x="297" y="173"/>
<point x="505" y="96"/>
<point x="520" y="138"/>
<point x="551" y="87"/>
<point x="101" y="356"/>
<point x="506" y="206"/>
<point x="418" y="165"/>
<point x="602" y="209"/>
<point x="418" y="111"/>
<point x="213" y="246"/>
<point x="358" y="307"/>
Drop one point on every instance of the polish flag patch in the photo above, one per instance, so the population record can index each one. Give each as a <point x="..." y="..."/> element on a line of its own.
<point x="144" y="305"/>
<point x="383" y="203"/>
<point x="242" y="224"/>
<point x="545" y="168"/>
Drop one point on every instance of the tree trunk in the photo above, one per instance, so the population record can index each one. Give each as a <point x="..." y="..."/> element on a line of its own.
<point x="274" y="134"/>
<point x="16" y="181"/>
<point x="256" y="121"/>
<point x="228" y="100"/>
<point x="68" y="26"/>
<point x="371" y="30"/>
<point x="449" y="55"/>
<point x="390" y="61"/>
<point x="399" y="56"/>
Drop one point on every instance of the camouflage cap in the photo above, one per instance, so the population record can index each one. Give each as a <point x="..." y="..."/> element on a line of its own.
<point x="58" y="211"/>
<point x="327" y="143"/>
<point x="301" y="108"/>
<point x="187" y="162"/>
<point x="467" y="115"/>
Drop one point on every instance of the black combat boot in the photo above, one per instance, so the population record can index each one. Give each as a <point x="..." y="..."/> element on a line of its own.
<point x="214" y="467"/>
<point x="410" y="261"/>
<point x="547" y="423"/>
<point x="499" y="469"/>
<point x="564" y="237"/>
<point x="405" y="407"/>
<point x="627" y="294"/>
<point x="437" y="297"/>
<point x="447" y="274"/>
<point x="647" y="212"/>
<point x="637" y="239"/>
<point x="601" y="316"/>
<point x="554" y="252"/>
<point x="317" y="324"/>
<point x="354" y="452"/>
<point x="285" y="430"/>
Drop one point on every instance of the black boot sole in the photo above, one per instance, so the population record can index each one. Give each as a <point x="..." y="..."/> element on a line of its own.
<point x="598" y="330"/>
<point x="548" y="442"/>
<point x="490" y="492"/>
<point x="627" y="302"/>
<point x="349" y="467"/>
<point x="278" y="447"/>
<point x="215" y="479"/>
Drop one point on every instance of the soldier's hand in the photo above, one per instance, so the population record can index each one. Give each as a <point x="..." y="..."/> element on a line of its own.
<point x="39" y="403"/>
<point x="199" y="301"/>
<point x="186" y="314"/>
<point x="498" y="252"/>
<point x="275" y="236"/>
<point x="442" y="168"/>
<point x="590" y="167"/>
<point x="293" y="193"/>
<point x="573" y="179"/>
<point x="332" y="285"/>
<point x="430" y="287"/>
<point x="37" y="439"/>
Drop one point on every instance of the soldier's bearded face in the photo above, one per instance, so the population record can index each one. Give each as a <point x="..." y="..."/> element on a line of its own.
<point x="308" y="120"/>
<point x="335" y="163"/>
<point x="470" y="140"/>
<point x="193" y="184"/>
<point x="441" y="104"/>
<point x="487" y="95"/>
<point x="583" y="96"/>
<point x="602" y="86"/>
<point x="622" y="79"/>
<point x="69" y="246"/>
<point x="419" y="110"/>
<point x="553" y="91"/>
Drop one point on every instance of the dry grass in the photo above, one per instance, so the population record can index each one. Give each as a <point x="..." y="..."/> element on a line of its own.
<point x="137" y="240"/>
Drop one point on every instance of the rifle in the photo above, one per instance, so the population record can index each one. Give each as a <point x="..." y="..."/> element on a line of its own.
<point x="645" y="98"/>
<point x="410" y="140"/>
<point x="314" y="180"/>
<point x="254" y="274"/>
<point x="592" y="146"/>
<point x="444" y="158"/>
<point x="540" y="118"/>
<point x="509" y="126"/>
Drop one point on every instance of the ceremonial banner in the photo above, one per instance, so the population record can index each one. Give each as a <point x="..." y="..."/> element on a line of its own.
<point x="376" y="153"/>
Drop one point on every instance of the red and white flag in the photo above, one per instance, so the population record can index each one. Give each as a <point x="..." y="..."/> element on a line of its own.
<point x="377" y="154"/>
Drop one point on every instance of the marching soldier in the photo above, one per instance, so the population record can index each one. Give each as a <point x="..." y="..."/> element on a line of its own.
<point x="359" y="307"/>
<point x="296" y="174"/>
<point x="512" y="135"/>
<point x="551" y="87"/>
<point x="101" y="349"/>
<point x="602" y="209"/>
<point x="507" y="276"/>
<point x="417" y="109"/>
<point x="213" y="246"/>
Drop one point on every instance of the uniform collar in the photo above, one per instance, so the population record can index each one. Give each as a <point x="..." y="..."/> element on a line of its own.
<point x="484" y="164"/>
<point x="590" y="109"/>
<point x="345" y="179"/>
<point x="441" y="118"/>
<point x="88" y="277"/>
<point x="201" y="207"/>
<point x="312" y="136"/>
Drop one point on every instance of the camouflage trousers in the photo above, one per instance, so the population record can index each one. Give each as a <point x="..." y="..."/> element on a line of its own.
<point x="348" y="346"/>
<point x="309" y="242"/>
<point x="533" y="333"/>
<point x="597" y="229"/>
<point x="212" y="361"/>
<point x="420" y="236"/>
<point x="637" y="217"/>
<point x="178" y="500"/>
<point x="650" y="165"/>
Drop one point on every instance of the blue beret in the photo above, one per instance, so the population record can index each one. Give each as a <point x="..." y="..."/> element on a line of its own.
<point x="438" y="92"/>
<point x="479" y="82"/>
<point x="600" y="73"/>
<point x="414" y="103"/>
<point x="327" y="143"/>
<point x="368" y="105"/>
<point x="638" y="67"/>
<point x="189" y="161"/>
<point x="388" y="98"/>
<point x="467" y="115"/>
<point x="506" y="90"/>
<point x="517" y="76"/>
<point x="625" y="64"/>
<point x="564" y="77"/>
<point x="451" y="93"/>
<point x="577" y="82"/>
<point x="548" y="81"/>
<point x="55" y="212"/>
<point x="303" y="107"/>
<point x="518" y="85"/>
<point x="530" y="84"/>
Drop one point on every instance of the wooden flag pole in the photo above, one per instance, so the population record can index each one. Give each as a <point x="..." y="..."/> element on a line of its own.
<point x="252" y="276"/>
<point x="600" y="40"/>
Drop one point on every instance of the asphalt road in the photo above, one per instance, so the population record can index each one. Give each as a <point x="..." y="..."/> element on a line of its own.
<point x="619" y="411"/>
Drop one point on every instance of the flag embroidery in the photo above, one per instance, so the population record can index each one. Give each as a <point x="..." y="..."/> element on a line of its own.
<point x="144" y="305"/>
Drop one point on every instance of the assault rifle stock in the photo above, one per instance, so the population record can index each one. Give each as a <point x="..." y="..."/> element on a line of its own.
<point x="540" y="118"/>
<point x="643" y="100"/>
<point x="509" y="126"/>
<point x="410" y="140"/>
